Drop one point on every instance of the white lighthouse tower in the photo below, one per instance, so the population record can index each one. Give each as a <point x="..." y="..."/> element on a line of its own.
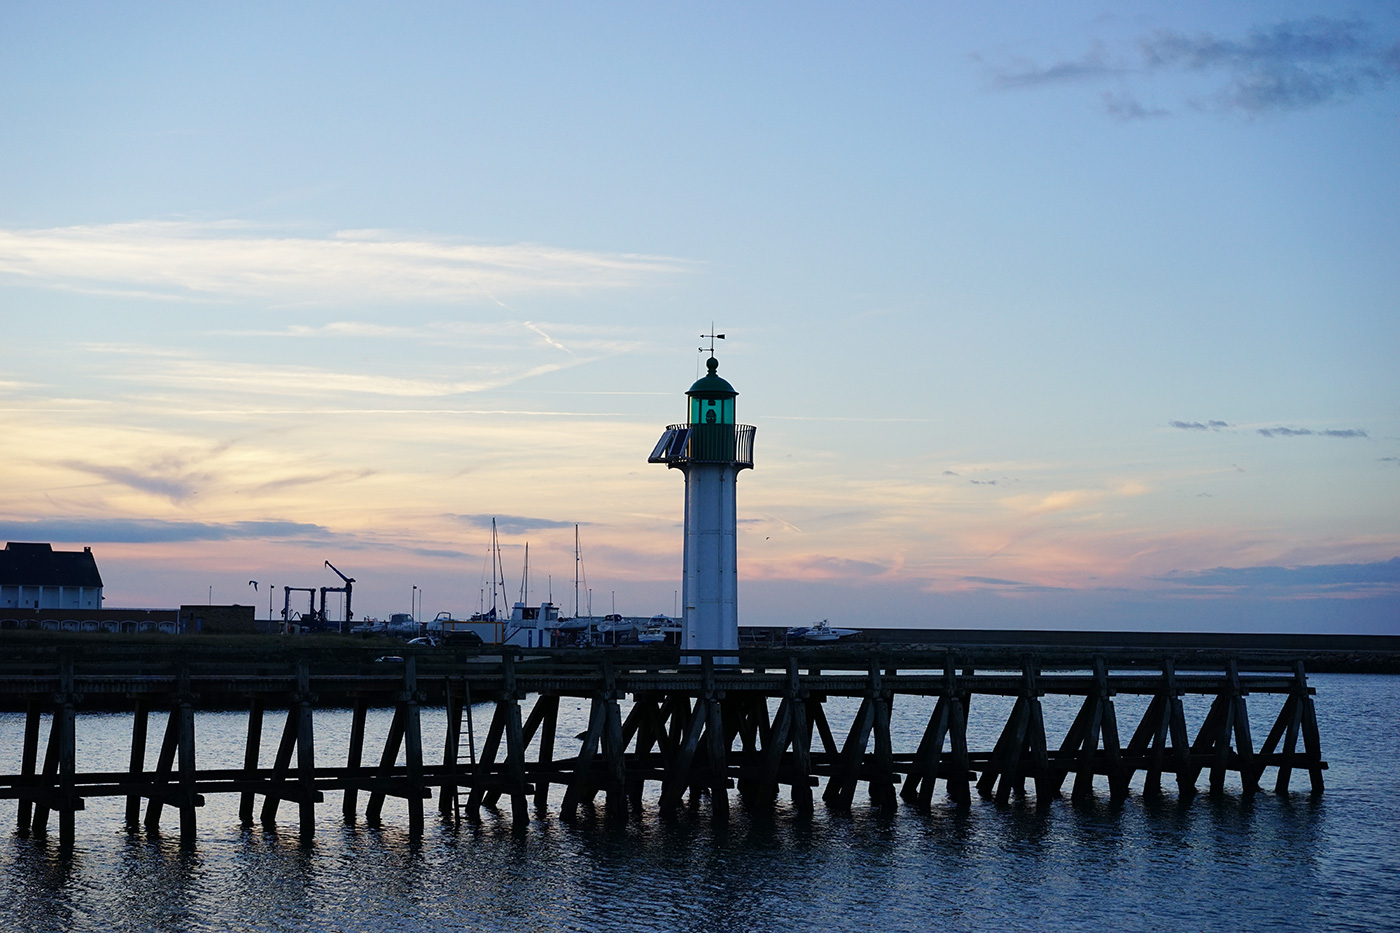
<point x="710" y="449"/>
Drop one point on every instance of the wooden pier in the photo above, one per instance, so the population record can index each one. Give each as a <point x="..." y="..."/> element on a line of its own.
<point x="691" y="728"/>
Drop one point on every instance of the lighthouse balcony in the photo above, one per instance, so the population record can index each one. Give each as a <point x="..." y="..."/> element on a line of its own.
<point x="683" y="444"/>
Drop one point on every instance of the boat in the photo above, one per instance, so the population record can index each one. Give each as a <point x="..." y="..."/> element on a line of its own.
<point x="657" y="630"/>
<point x="821" y="633"/>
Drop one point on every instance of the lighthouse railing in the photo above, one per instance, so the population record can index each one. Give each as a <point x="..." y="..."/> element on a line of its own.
<point x="706" y="443"/>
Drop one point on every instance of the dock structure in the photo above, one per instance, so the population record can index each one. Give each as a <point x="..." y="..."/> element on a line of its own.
<point x="762" y="727"/>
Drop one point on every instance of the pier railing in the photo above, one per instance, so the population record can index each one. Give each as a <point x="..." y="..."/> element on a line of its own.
<point x="698" y="729"/>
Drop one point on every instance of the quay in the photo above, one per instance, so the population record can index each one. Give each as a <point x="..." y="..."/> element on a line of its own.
<point x="687" y="725"/>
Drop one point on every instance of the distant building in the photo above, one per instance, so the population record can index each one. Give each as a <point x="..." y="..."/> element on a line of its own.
<point x="35" y="576"/>
<point x="217" y="620"/>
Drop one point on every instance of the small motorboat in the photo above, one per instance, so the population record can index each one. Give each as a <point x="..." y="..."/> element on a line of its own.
<point x="822" y="633"/>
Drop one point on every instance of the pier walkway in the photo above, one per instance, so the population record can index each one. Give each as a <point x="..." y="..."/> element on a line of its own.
<point x="690" y="727"/>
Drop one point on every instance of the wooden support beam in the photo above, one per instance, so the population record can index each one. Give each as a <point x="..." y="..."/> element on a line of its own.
<point x="1312" y="742"/>
<point x="1151" y="735"/>
<point x="716" y="748"/>
<point x="482" y="772"/>
<point x="677" y="777"/>
<point x="451" y="748"/>
<point x="801" y="758"/>
<point x="549" y="724"/>
<point x="354" y="757"/>
<point x="189" y="799"/>
<point x="164" y="764"/>
<point x="515" y="764"/>
<point x="136" y="763"/>
<point x="388" y="758"/>
<point x="29" y="759"/>
<point x="413" y="746"/>
<point x="252" y="749"/>
<point x="841" y="786"/>
<point x="581" y="779"/>
<point x="923" y="771"/>
<point x="614" y="758"/>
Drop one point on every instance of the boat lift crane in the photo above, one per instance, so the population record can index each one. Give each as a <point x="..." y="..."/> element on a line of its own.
<point x="287" y="603"/>
<point x="349" y="583"/>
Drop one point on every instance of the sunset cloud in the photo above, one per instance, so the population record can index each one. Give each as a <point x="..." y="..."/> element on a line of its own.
<point x="232" y="260"/>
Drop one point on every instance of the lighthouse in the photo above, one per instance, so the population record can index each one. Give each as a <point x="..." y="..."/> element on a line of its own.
<point x="710" y="449"/>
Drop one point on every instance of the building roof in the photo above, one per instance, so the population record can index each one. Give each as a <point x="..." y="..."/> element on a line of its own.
<point x="26" y="564"/>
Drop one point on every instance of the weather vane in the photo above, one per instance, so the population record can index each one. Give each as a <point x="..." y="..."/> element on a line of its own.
<point x="712" y="337"/>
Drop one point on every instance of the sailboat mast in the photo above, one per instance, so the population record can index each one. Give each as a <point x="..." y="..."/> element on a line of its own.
<point x="576" y="570"/>
<point x="495" y="549"/>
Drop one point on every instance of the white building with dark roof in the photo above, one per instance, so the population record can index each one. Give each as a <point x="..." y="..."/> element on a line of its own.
<point x="35" y="576"/>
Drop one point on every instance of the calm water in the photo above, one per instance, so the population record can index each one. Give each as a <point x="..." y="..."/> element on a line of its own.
<point x="1225" y="864"/>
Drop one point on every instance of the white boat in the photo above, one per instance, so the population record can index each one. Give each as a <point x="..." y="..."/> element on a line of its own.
<point x="655" y="631"/>
<point x="532" y="626"/>
<point x="821" y="633"/>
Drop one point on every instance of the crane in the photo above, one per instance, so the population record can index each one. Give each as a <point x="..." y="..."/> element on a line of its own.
<point x="349" y="583"/>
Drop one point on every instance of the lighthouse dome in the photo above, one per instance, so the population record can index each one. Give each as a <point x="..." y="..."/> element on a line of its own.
<point x="712" y="385"/>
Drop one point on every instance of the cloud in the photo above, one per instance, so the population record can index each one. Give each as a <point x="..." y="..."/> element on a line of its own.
<point x="513" y="524"/>
<point x="1093" y="64"/>
<point x="1325" y="578"/>
<point x="1122" y="105"/>
<point x="146" y="531"/>
<point x="1198" y="426"/>
<point x="1309" y="432"/>
<point x="1286" y="66"/>
<point x="232" y="260"/>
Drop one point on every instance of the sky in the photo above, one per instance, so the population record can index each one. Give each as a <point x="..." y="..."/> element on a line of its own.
<point x="1079" y="315"/>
